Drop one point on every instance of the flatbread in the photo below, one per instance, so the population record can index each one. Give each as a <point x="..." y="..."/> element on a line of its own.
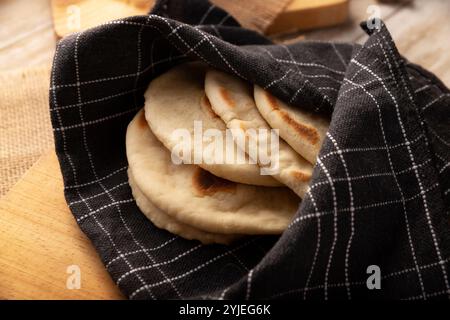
<point x="163" y="221"/>
<point x="195" y="197"/>
<point x="304" y="131"/>
<point x="174" y="101"/>
<point x="232" y="99"/>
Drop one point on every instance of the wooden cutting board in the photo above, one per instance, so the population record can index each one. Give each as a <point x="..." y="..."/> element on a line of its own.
<point x="40" y="240"/>
<point x="39" y="237"/>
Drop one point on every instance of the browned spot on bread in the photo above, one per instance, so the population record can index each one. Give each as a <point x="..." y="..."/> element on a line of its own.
<point x="300" y="176"/>
<point x="226" y="96"/>
<point x="207" y="184"/>
<point x="207" y="105"/>
<point x="142" y="122"/>
<point x="307" y="132"/>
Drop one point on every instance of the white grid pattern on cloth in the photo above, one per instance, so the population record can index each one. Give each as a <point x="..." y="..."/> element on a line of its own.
<point x="207" y="12"/>
<point x="367" y="176"/>
<point x="130" y="75"/>
<point x="313" y="186"/>
<point x="365" y="149"/>
<point x="78" y="186"/>
<point x="231" y="68"/>
<point x="446" y="166"/>
<point x="317" y="214"/>
<point x="316" y="73"/>
<point x="434" y="133"/>
<point x="319" y="182"/>
<point x="146" y="252"/>
<point x="98" y="99"/>
<point x="397" y="184"/>
<point x="307" y="64"/>
<point x="249" y="285"/>
<point x="301" y="72"/>
<point x="141" y="250"/>
<point x="277" y="80"/>
<point x="239" y="260"/>
<point x="97" y="121"/>
<point x="106" y="206"/>
<point x="205" y="37"/>
<point x="307" y="216"/>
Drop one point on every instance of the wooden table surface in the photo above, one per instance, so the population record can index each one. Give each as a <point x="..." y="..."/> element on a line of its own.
<point x="39" y="238"/>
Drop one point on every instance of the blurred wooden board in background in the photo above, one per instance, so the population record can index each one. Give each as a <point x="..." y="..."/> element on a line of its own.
<point x="39" y="237"/>
<point x="305" y="15"/>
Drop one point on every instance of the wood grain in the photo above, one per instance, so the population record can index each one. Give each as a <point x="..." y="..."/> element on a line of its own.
<point x="269" y="16"/>
<point x="39" y="239"/>
<point x="75" y="15"/>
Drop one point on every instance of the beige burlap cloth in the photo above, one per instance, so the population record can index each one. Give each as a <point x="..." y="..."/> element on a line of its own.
<point x="25" y="130"/>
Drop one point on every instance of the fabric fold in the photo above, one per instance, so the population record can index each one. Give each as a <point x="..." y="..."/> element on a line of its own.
<point x="378" y="189"/>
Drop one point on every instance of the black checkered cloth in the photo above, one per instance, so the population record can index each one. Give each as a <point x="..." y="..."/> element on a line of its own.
<point x="380" y="191"/>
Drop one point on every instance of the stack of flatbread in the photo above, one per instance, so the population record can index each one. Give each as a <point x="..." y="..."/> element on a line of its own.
<point x="182" y="183"/>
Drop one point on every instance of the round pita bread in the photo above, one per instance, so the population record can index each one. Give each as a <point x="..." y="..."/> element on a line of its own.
<point x="304" y="131"/>
<point x="197" y="198"/>
<point x="163" y="221"/>
<point x="175" y="100"/>
<point x="232" y="99"/>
